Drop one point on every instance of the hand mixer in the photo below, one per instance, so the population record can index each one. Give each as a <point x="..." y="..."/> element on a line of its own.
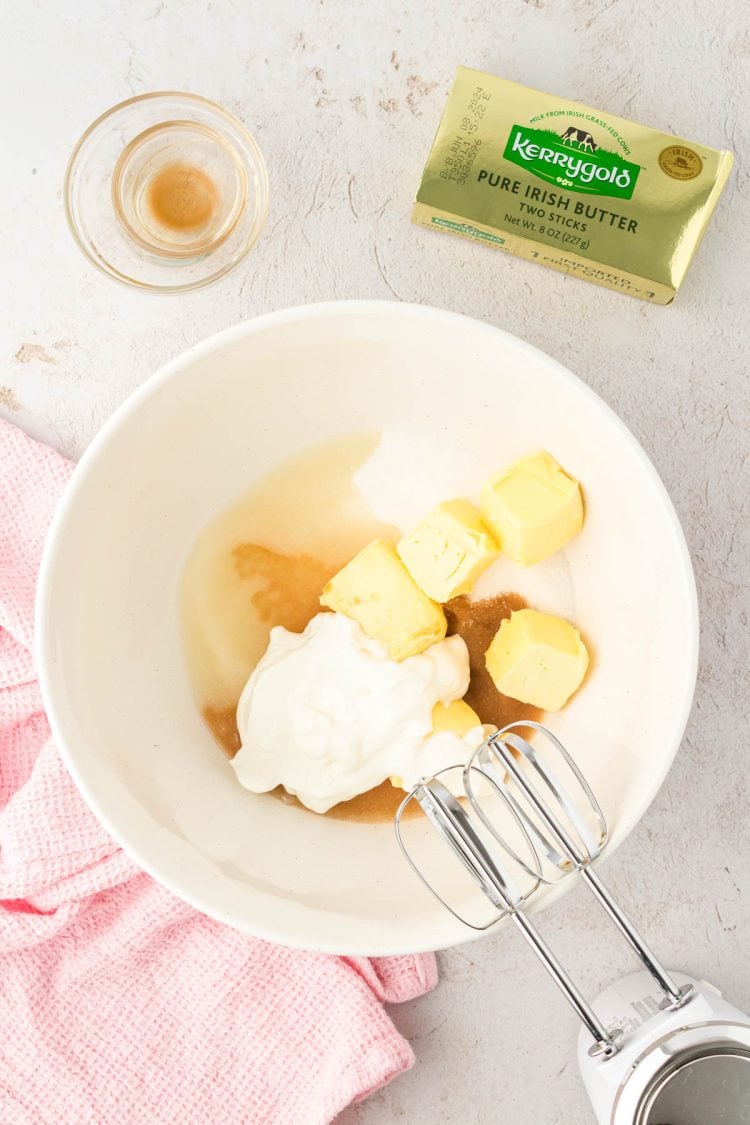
<point x="674" y="1055"/>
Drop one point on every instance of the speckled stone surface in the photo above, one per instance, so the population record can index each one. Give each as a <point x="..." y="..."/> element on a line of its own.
<point x="344" y="99"/>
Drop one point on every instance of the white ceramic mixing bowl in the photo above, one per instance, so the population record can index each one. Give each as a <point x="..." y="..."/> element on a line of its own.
<point x="454" y="400"/>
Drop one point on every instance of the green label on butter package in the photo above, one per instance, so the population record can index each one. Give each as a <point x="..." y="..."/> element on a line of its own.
<point x="570" y="187"/>
<point x="572" y="159"/>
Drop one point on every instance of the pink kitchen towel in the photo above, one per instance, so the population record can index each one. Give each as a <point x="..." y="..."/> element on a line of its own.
<point x="118" y="1002"/>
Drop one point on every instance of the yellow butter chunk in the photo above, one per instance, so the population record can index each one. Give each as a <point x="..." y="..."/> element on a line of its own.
<point x="533" y="508"/>
<point x="456" y="717"/>
<point x="537" y="659"/>
<point x="448" y="551"/>
<point x="377" y="591"/>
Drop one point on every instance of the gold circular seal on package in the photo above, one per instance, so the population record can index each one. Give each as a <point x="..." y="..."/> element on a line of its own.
<point x="680" y="163"/>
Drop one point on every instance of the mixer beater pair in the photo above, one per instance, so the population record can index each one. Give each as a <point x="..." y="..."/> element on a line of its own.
<point x="551" y="826"/>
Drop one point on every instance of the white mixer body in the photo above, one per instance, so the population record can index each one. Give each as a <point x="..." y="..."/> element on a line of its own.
<point x="683" y="1067"/>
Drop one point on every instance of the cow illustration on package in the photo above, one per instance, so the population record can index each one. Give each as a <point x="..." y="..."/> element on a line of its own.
<point x="581" y="137"/>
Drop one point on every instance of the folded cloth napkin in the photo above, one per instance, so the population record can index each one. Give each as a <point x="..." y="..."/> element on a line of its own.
<point x="118" y="1002"/>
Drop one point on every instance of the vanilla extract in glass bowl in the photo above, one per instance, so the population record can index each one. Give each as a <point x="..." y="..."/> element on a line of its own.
<point x="166" y="192"/>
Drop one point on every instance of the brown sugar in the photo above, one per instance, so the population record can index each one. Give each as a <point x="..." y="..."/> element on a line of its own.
<point x="223" y="726"/>
<point x="290" y="585"/>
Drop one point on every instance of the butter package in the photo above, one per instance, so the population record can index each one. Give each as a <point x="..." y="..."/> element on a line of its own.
<point x="559" y="183"/>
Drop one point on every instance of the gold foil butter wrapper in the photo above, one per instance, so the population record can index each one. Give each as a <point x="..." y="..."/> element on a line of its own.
<point x="559" y="183"/>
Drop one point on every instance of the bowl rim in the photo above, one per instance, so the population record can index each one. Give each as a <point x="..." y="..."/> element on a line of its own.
<point x="86" y="466"/>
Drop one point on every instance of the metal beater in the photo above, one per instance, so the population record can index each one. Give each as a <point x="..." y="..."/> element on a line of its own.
<point x="557" y="827"/>
<point x="550" y="813"/>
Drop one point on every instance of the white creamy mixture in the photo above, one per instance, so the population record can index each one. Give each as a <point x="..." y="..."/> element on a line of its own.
<point x="327" y="715"/>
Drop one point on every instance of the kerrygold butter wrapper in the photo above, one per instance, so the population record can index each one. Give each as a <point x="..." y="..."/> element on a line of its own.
<point x="559" y="183"/>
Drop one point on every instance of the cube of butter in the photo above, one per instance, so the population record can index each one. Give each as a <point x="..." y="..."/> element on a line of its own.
<point x="537" y="659"/>
<point x="456" y="717"/>
<point x="448" y="551"/>
<point x="533" y="508"/>
<point x="377" y="591"/>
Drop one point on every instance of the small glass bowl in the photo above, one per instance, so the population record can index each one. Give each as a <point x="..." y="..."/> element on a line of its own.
<point x="111" y="179"/>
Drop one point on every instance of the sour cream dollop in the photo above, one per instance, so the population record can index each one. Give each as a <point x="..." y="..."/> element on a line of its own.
<point x="327" y="715"/>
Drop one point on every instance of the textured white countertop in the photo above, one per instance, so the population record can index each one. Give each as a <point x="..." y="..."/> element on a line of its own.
<point x="344" y="99"/>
